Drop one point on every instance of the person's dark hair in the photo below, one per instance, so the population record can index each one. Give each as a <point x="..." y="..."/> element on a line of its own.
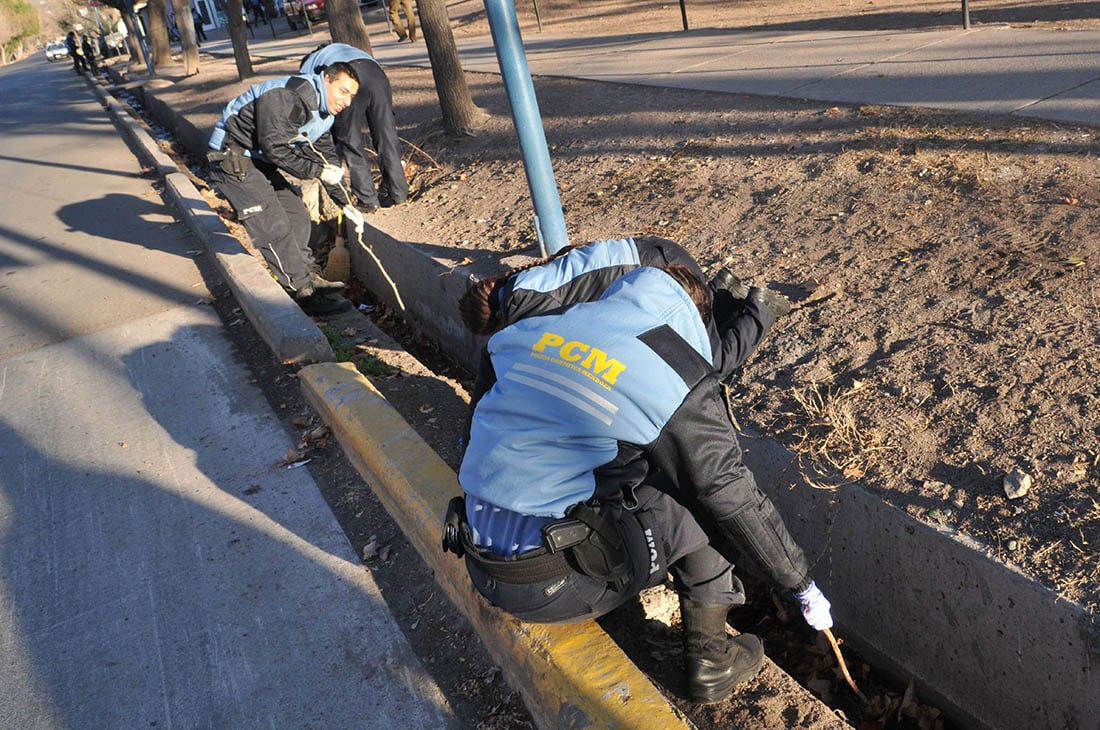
<point x="340" y="69"/>
<point x="478" y="307"/>
<point x="695" y="288"/>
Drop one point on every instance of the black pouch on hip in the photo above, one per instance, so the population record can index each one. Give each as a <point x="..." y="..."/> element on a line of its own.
<point x="603" y="555"/>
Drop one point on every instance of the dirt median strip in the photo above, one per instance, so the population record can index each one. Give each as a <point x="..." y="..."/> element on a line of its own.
<point x="571" y="675"/>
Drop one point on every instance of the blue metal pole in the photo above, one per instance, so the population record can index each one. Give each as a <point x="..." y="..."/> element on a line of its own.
<point x="549" y="220"/>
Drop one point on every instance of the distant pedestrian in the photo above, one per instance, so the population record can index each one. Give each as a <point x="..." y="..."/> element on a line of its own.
<point x="75" y="51"/>
<point x="405" y="6"/>
<point x="89" y="53"/>
<point x="196" y="17"/>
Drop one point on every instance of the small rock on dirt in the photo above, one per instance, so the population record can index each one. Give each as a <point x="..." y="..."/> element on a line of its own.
<point x="1016" y="484"/>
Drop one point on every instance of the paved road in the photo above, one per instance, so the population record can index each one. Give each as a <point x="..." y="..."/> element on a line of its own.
<point x="1047" y="74"/>
<point x="156" y="568"/>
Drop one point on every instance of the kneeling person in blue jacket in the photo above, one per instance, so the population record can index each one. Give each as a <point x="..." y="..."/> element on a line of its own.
<point x="278" y="126"/>
<point x="597" y="454"/>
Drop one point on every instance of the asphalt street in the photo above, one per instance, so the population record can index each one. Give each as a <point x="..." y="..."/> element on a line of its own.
<point x="157" y="567"/>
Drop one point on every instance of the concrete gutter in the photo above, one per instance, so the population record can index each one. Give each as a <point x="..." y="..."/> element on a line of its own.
<point x="288" y="331"/>
<point x="991" y="646"/>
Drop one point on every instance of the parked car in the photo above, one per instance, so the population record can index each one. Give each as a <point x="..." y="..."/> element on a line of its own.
<point x="313" y="9"/>
<point x="56" y="51"/>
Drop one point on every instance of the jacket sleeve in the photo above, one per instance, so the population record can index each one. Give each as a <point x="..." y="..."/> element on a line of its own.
<point x="738" y="328"/>
<point x="698" y="449"/>
<point x="327" y="148"/>
<point x="280" y="113"/>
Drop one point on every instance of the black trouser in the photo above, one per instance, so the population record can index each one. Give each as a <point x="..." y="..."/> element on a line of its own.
<point x="374" y="106"/>
<point x="661" y="535"/>
<point x="275" y="217"/>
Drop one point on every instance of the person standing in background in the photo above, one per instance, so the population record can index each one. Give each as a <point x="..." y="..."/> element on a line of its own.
<point x="405" y="6"/>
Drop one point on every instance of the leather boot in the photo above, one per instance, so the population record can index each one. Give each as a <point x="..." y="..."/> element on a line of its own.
<point x="714" y="660"/>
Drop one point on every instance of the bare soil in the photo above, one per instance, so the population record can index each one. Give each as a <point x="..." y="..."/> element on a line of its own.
<point x="943" y="270"/>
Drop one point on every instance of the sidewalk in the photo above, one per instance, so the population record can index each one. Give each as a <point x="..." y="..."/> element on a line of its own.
<point x="158" y="567"/>
<point x="1044" y="74"/>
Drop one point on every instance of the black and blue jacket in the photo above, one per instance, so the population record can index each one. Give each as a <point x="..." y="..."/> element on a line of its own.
<point x="272" y="122"/>
<point x="588" y="400"/>
<point x="582" y="274"/>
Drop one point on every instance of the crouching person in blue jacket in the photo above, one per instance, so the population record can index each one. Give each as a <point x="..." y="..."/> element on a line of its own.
<point x="278" y="126"/>
<point x="600" y="455"/>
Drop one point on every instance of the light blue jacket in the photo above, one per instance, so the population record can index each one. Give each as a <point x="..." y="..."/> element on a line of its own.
<point x="570" y="388"/>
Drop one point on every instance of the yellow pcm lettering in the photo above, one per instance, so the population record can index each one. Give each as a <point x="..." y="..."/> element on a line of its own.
<point x="548" y="339"/>
<point x="596" y="362"/>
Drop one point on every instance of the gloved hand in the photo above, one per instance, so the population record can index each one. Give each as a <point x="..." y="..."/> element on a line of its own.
<point x="332" y="174"/>
<point x="777" y="303"/>
<point x="354" y="216"/>
<point x="815" y="607"/>
<point x="728" y="281"/>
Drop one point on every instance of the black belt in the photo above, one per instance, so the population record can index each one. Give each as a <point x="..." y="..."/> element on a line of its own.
<point x="536" y="566"/>
<point x="541" y="564"/>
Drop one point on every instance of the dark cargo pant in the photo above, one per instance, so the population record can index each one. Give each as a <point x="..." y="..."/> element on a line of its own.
<point x="662" y="536"/>
<point x="373" y="105"/>
<point x="275" y="217"/>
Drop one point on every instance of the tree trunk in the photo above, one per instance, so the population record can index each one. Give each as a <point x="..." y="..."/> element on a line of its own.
<point x="158" y="33"/>
<point x="460" y="114"/>
<point x="189" y="46"/>
<point x="238" y="33"/>
<point x="132" y="42"/>
<point x="345" y="24"/>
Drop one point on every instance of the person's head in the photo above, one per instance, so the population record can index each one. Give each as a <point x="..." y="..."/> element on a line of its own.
<point x="341" y="86"/>
<point x="479" y="309"/>
<point x="695" y="288"/>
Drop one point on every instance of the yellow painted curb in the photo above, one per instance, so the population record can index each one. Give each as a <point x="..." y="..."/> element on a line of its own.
<point x="570" y="676"/>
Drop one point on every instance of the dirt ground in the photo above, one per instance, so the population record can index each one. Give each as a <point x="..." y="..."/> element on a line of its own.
<point x="943" y="269"/>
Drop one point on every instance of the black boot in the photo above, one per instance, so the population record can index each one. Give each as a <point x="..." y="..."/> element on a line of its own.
<point x="714" y="660"/>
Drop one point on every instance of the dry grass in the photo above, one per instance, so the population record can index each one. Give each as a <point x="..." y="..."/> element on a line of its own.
<point x="831" y="436"/>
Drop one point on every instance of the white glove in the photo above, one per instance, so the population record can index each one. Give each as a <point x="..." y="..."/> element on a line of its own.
<point x="815" y="607"/>
<point x="332" y="175"/>
<point x="355" y="217"/>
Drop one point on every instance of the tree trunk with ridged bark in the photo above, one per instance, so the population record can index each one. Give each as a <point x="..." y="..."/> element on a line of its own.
<point x="460" y="114"/>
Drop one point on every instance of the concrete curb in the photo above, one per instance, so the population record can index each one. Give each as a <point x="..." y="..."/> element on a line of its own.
<point x="288" y="331"/>
<point x="569" y="676"/>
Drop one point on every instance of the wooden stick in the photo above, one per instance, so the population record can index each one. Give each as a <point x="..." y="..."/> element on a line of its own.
<point x="843" y="666"/>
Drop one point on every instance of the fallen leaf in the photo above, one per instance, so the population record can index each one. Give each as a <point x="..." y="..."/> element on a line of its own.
<point x="292" y="454"/>
<point x="316" y="434"/>
<point x="1070" y="200"/>
<point x="370" y="550"/>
